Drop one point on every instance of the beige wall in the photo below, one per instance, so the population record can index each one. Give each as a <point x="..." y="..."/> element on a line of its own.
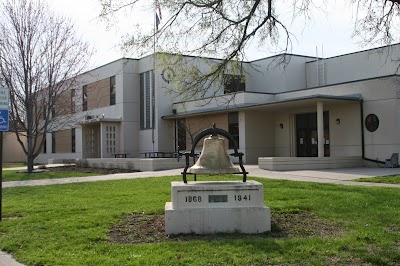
<point x="285" y="136"/>
<point x="259" y="135"/>
<point x="12" y="150"/>
<point x="196" y="124"/>
<point x="345" y="138"/>
<point x="63" y="141"/>
<point x="64" y="103"/>
<point x="98" y="94"/>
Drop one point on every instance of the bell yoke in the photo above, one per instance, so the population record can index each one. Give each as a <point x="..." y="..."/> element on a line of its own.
<point x="213" y="157"/>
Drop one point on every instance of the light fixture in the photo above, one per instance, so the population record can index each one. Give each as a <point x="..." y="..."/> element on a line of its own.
<point x="281" y="125"/>
<point x="338" y="121"/>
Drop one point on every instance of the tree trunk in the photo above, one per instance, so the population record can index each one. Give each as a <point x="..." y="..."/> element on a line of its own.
<point x="30" y="160"/>
<point x="29" y="155"/>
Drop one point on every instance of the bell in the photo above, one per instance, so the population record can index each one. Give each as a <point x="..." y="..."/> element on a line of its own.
<point x="213" y="158"/>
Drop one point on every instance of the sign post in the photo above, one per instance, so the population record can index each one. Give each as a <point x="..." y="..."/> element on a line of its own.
<point x="4" y="100"/>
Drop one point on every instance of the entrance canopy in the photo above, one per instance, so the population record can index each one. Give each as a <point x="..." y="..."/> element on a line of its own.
<point x="279" y="104"/>
<point x="98" y="121"/>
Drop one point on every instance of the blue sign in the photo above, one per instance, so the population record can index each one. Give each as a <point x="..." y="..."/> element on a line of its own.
<point x="3" y="120"/>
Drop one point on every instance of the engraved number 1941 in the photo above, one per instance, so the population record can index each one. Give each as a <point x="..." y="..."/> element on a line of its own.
<point x="242" y="197"/>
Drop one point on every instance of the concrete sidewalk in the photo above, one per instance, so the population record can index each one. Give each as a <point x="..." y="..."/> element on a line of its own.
<point x="8" y="260"/>
<point x="342" y="176"/>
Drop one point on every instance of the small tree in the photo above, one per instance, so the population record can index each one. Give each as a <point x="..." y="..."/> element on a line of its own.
<point x="39" y="57"/>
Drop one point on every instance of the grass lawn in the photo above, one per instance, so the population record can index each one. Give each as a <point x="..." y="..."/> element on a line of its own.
<point x="12" y="175"/>
<point x="59" y="172"/>
<point x="70" y="225"/>
<point x="10" y="165"/>
<point x="390" y="179"/>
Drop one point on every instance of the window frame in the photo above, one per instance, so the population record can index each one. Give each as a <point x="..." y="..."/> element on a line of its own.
<point x="113" y="91"/>
<point x="233" y="129"/>
<point x="73" y="99"/>
<point x="84" y="98"/>
<point x="73" y="140"/>
<point x="53" y="142"/>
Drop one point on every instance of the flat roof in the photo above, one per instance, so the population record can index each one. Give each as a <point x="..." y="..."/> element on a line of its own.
<point x="270" y="106"/>
<point x="98" y="120"/>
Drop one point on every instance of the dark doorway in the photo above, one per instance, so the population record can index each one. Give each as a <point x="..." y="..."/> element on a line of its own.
<point x="181" y="125"/>
<point x="307" y="135"/>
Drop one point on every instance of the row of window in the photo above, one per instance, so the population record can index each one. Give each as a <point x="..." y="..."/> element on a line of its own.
<point x="96" y="92"/>
<point x="232" y="83"/>
<point x="93" y="91"/>
<point x="63" y="141"/>
<point x="147" y="98"/>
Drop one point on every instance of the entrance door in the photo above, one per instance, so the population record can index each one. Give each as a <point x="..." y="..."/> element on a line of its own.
<point x="307" y="135"/>
<point x="91" y="144"/>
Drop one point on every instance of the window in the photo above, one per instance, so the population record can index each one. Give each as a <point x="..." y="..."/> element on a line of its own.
<point x="181" y="134"/>
<point x="233" y="129"/>
<point x="113" y="90"/>
<point x="44" y="113"/>
<point x="147" y="110"/>
<point x="63" y="141"/>
<point x="44" y="144"/>
<point x="73" y="145"/>
<point x="73" y="98"/>
<point x="91" y="142"/>
<point x="110" y="139"/>
<point x="53" y="142"/>
<point x="234" y="83"/>
<point x="84" y="98"/>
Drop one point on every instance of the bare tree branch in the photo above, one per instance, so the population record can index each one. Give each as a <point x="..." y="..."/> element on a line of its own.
<point x="377" y="21"/>
<point x="210" y="28"/>
<point x="40" y="56"/>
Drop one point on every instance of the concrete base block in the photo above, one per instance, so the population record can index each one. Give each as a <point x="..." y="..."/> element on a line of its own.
<point x="249" y="220"/>
<point x="217" y="207"/>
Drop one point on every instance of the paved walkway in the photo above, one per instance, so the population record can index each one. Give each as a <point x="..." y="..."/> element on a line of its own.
<point x="8" y="260"/>
<point x="342" y="176"/>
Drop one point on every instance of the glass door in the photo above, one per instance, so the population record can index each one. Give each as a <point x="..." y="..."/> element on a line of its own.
<point x="307" y="135"/>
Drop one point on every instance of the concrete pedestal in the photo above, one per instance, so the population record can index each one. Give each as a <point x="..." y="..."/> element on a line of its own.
<point x="217" y="207"/>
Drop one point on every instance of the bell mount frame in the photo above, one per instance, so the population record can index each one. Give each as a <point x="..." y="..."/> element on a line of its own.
<point x="213" y="131"/>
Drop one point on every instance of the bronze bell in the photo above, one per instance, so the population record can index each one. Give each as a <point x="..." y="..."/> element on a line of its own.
<point x="213" y="158"/>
